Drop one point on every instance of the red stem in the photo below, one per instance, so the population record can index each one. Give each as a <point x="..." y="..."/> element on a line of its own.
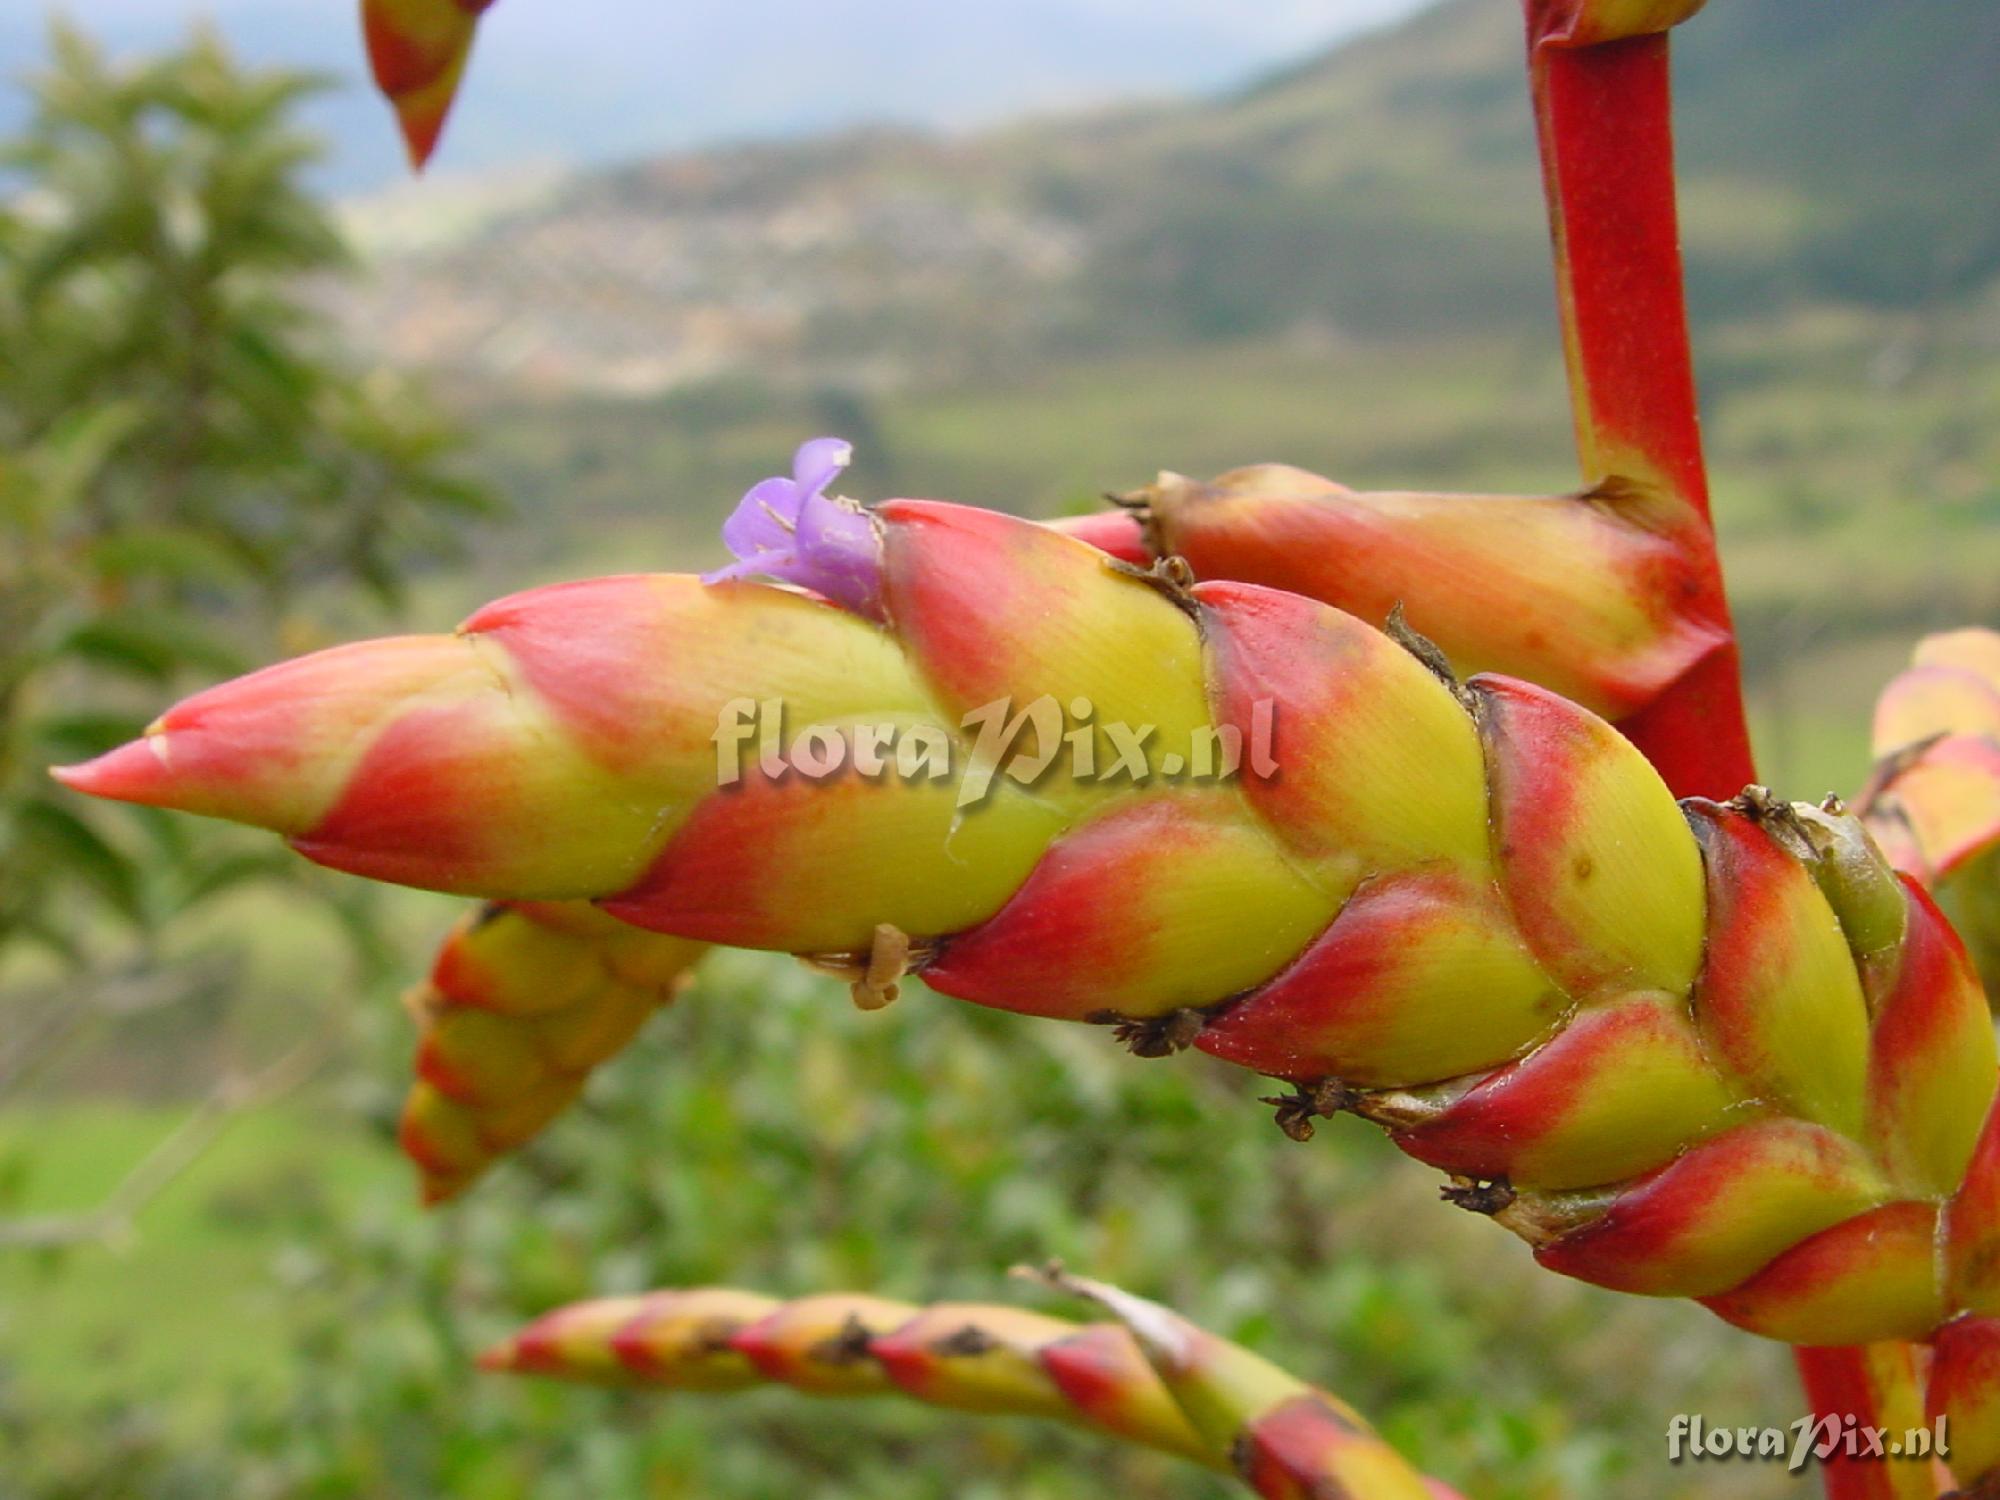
<point x="1881" y="1386"/>
<point x="1604" y="116"/>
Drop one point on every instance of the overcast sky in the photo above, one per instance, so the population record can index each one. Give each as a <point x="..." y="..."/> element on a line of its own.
<point x="604" y="79"/>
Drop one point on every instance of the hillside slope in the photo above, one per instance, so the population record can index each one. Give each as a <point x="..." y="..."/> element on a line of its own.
<point x="1842" y="152"/>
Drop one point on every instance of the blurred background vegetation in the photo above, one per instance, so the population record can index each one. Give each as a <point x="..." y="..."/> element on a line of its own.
<point x="214" y="1279"/>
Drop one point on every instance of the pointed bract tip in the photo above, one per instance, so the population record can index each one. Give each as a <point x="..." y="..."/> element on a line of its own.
<point x="1164" y="1334"/>
<point x="1115" y="532"/>
<point x="421" y="134"/>
<point x="502" y="1358"/>
<point x="134" y="772"/>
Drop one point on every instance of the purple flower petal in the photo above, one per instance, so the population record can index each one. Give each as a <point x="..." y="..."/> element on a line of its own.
<point x="748" y="567"/>
<point x="829" y="525"/>
<point x="765" y="520"/>
<point x="819" y="462"/>
<point x="792" y="530"/>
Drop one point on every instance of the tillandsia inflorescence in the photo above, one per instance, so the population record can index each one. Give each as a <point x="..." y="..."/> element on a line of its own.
<point x="1590" y="596"/>
<point x="1593" y="596"/>
<point x="1151" y="1378"/>
<point x="1711" y="1050"/>
<point x="523" y="1002"/>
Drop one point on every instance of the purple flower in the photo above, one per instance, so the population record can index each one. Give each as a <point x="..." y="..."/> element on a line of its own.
<point x="793" y="530"/>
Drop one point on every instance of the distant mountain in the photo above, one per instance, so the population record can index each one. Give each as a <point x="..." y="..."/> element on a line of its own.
<point x="1839" y="152"/>
<point x="589" y="81"/>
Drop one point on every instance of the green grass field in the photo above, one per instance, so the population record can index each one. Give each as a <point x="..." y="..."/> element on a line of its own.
<point x="188" y="1303"/>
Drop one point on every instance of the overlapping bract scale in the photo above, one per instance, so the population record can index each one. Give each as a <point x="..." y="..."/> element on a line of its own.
<point x="1933" y="802"/>
<point x="1594" y="596"/>
<point x="1589" y="23"/>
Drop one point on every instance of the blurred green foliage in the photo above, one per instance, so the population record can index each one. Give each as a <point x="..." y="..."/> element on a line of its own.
<point x="192" y="472"/>
<point x="763" y="1133"/>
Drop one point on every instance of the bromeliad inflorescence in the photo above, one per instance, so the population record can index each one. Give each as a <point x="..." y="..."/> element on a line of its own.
<point x="1714" y="1049"/>
<point x="1150" y="1378"/>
